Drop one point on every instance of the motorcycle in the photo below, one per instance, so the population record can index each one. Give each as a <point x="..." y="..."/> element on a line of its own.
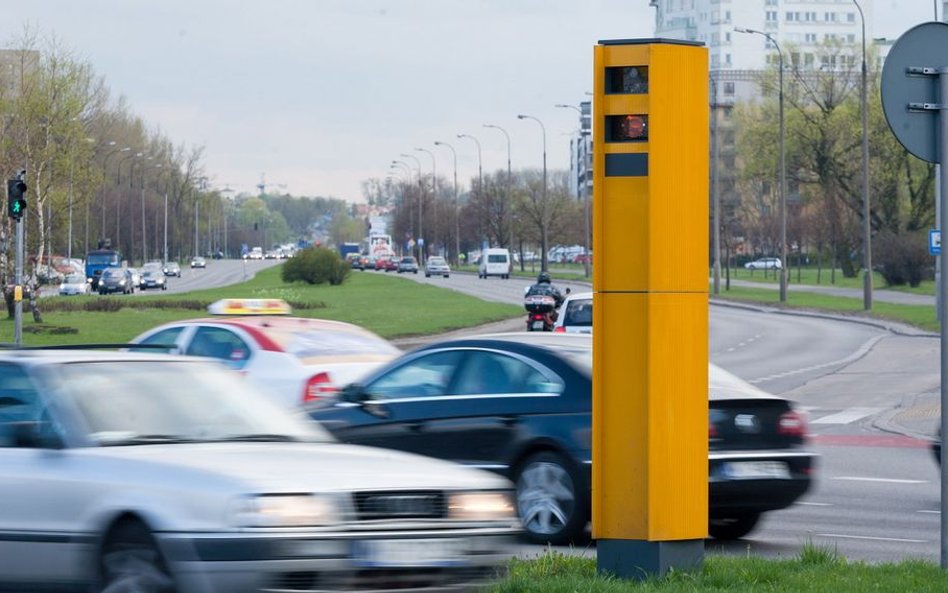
<point x="541" y="312"/>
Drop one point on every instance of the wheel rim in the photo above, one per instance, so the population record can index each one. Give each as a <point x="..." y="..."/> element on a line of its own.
<point x="133" y="568"/>
<point x="545" y="498"/>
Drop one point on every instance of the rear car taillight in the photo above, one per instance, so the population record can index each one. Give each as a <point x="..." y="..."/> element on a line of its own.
<point x="318" y="387"/>
<point x="559" y="330"/>
<point x="792" y="424"/>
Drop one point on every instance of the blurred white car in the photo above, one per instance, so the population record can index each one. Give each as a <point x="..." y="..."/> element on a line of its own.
<point x="766" y="263"/>
<point x="296" y="360"/>
<point x="575" y="315"/>
<point x="148" y="473"/>
<point x="74" y="284"/>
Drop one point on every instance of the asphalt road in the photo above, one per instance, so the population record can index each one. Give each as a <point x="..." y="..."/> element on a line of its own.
<point x="876" y="495"/>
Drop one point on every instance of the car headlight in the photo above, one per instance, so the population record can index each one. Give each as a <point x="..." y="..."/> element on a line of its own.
<point x="481" y="506"/>
<point x="287" y="510"/>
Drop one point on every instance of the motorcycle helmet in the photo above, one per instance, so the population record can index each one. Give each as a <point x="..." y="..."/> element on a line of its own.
<point x="543" y="278"/>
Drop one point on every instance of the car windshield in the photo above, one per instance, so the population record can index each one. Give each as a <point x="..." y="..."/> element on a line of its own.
<point x="145" y="402"/>
<point x="436" y="261"/>
<point x="112" y="273"/>
<point x="101" y="259"/>
<point x="74" y="279"/>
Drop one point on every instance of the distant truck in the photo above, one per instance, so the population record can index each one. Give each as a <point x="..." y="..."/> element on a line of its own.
<point x="347" y="248"/>
<point x="99" y="259"/>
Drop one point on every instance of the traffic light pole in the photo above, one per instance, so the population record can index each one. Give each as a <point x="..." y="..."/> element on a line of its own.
<point x="18" y="283"/>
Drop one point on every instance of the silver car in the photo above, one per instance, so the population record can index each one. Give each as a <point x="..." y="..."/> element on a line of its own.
<point x="437" y="266"/>
<point x="146" y="472"/>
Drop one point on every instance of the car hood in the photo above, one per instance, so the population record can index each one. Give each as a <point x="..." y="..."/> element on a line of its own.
<point x="300" y="467"/>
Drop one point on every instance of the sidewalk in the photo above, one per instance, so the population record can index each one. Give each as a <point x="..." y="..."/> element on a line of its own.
<point x="878" y="294"/>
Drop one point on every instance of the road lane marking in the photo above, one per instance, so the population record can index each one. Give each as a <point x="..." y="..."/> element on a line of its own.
<point x="929" y="512"/>
<point x="846" y="416"/>
<point x="859" y="353"/>
<point x="816" y="504"/>
<point x="870" y="440"/>
<point x="883" y="480"/>
<point x="876" y="539"/>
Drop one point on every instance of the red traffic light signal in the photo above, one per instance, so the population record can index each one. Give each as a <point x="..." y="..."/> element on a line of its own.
<point x="16" y="198"/>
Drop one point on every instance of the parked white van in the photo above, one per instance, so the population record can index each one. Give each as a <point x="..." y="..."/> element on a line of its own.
<point x="495" y="262"/>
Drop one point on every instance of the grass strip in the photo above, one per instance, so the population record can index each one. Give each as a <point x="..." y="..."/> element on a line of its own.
<point x="388" y="305"/>
<point x="815" y="570"/>
<point x="921" y="316"/>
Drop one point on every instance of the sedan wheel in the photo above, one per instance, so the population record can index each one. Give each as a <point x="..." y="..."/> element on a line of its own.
<point x="549" y="506"/>
<point x="131" y="562"/>
<point x="733" y="527"/>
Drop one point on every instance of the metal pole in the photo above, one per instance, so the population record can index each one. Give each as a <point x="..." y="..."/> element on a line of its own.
<point x="715" y="193"/>
<point x="783" y="189"/>
<point x="866" y="209"/>
<point x="166" y="227"/>
<point x="18" y="281"/>
<point x="421" y="204"/>
<point x="72" y="166"/>
<point x="457" y="217"/>
<point x="544" y="264"/>
<point x="943" y="288"/>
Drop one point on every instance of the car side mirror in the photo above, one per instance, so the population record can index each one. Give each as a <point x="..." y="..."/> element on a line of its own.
<point x="354" y="393"/>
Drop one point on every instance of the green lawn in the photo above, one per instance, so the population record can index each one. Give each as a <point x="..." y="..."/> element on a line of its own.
<point x="388" y="305"/>
<point x="815" y="570"/>
<point x="824" y="277"/>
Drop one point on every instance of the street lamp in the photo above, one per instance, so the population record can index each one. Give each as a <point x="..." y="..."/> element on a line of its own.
<point x="866" y="210"/>
<point x="144" y="242"/>
<point x="509" y="185"/>
<point x="434" y="196"/>
<point x="715" y="193"/>
<point x="588" y="231"/>
<point x="543" y="239"/>
<point x="457" y="208"/>
<point x="118" y="202"/>
<point x="783" y="168"/>
<point x="105" y="172"/>
<point x="421" y="198"/>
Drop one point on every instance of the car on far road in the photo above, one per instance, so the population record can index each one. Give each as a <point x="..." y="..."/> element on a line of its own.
<point x="153" y="473"/>
<point x="765" y="263"/>
<point x="74" y="284"/>
<point x="172" y="269"/>
<point x="408" y="264"/>
<point x="520" y="404"/>
<point x="198" y="262"/>
<point x="437" y="266"/>
<point x="153" y="278"/>
<point x="296" y="360"/>
<point x="137" y="281"/>
<point x="355" y="261"/>
<point x="116" y="280"/>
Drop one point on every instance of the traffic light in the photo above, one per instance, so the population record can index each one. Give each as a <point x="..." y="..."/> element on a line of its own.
<point x="16" y="198"/>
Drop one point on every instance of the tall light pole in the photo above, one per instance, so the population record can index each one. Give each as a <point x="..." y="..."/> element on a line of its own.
<point x="105" y="171"/>
<point x="72" y="167"/>
<point x="118" y="203"/>
<point x="421" y="202"/>
<point x="715" y="193"/>
<point x="457" y="209"/>
<point x="543" y="239"/>
<point x="866" y="210"/>
<point x="411" y="208"/>
<point x="783" y="168"/>
<point x="587" y="232"/>
<point x="509" y="188"/>
<point x="434" y="202"/>
<point x="144" y="242"/>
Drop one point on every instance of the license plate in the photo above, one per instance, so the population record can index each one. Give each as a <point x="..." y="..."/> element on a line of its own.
<point x="537" y="325"/>
<point x="408" y="552"/>
<point x="751" y="470"/>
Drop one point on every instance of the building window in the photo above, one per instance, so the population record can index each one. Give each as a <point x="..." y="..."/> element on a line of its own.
<point x="727" y="59"/>
<point x="770" y="2"/>
<point x="830" y="17"/>
<point x="851" y="38"/>
<point x="728" y="89"/>
<point x="771" y="16"/>
<point x="850" y="17"/>
<point x="789" y="16"/>
<point x="810" y="38"/>
<point x="727" y="37"/>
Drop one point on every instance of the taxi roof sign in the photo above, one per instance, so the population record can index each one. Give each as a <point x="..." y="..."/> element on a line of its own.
<point x="249" y="307"/>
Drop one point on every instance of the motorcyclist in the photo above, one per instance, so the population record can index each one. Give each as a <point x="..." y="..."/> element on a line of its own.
<point x="544" y="286"/>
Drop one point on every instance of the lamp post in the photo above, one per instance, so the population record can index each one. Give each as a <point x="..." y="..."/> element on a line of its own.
<point x="586" y="218"/>
<point x="72" y="167"/>
<point x="509" y="185"/>
<point x="457" y="209"/>
<point x="118" y="202"/>
<point x="783" y="167"/>
<point x="434" y="196"/>
<point x="421" y="201"/>
<point x="411" y="208"/>
<point x="866" y="209"/>
<point x="144" y="242"/>
<point x="715" y="193"/>
<point x="105" y="171"/>
<point x="543" y="240"/>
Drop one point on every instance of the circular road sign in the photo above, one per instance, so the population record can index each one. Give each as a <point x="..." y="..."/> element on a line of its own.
<point x="922" y="46"/>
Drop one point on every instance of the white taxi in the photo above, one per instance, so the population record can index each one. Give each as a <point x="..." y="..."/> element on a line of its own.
<point x="296" y="360"/>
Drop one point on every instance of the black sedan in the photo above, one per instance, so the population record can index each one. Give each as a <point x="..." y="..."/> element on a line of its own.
<point x="520" y="405"/>
<point x="116" y="280"/>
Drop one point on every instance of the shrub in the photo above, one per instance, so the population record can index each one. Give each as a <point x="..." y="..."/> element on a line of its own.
<point x="315" y="265"/>
<point x="903" y="258"/>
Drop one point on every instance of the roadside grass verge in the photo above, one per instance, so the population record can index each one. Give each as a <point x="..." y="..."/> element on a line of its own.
<point x="921" y="316"/>
<point x="824" y="277"/>
<point x="815" y="570"/>
<point x="390" y="306"/>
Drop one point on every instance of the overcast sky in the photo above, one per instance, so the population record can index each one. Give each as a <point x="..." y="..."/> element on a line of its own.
<point x="319" y="95"/>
